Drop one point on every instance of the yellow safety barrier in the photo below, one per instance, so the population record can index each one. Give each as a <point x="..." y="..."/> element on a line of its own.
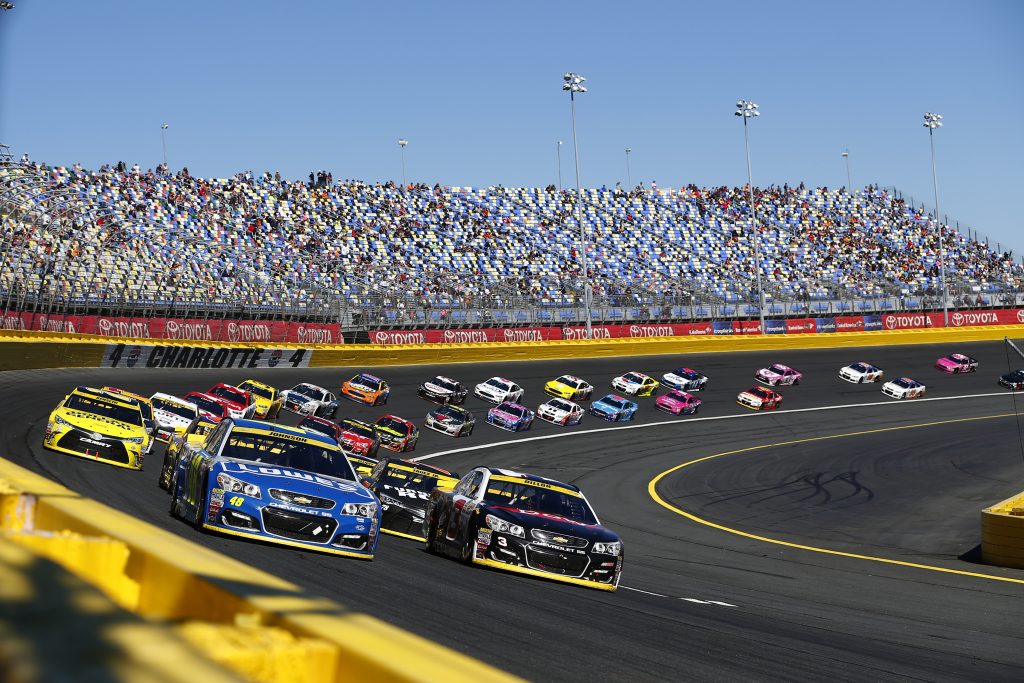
<point x="263" y="627"/>
<point x="1002" y="533"/>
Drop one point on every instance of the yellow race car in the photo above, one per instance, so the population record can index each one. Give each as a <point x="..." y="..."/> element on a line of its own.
<point x="569" y="387"/>
<point x="268" y="399"/>
<point x="99" y="425"/>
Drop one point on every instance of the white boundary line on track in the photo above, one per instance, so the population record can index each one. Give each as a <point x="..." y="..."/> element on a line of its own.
<point x="678" y="421"/>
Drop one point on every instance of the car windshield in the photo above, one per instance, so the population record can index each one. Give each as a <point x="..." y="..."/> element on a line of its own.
<point x="905" y="383"/>
<point x="560" y="405"/>
<point x="174" y="407"/>
<point x="686" y="373"/>
<point x="569" y="381"/>
<point x="318" y="426"/>
<point x="760" y="393"/>
<point x="405" y="477"/>
<point x="209" y="405"/>
<point x="292" y="452"/>
<point x="633" y="378"/>
<point x="444" y="383"/>
<point x="678" y="395"/>
<point x="497" y="384"/>
<point x="452" y="412"/>
<point x="955" y="358"/>
<point x="308" y="390"/>
<point x="512" y="409"/>
<point x="359" y="429"/>
<point x="388" y="422"/>
<point x="262" y="392"/>
<point x="861" y="367"/>
<point x="230" y="394"/>
<point x="613" y="402"/>
<point x="521" y="495"/>
<point x="97" y="406"/>
<point x="368" y="381"/>
<point x="778" y="369"/>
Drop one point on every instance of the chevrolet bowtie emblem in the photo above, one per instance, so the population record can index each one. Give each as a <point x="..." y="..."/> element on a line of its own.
<point x="560" y="539"/>
<point x="302" y="500"/>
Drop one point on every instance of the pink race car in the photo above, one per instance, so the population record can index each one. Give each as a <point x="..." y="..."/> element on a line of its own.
<point x="678" y="403"/>
<point x="777" y="375"/>
<point x="956" y="363"/>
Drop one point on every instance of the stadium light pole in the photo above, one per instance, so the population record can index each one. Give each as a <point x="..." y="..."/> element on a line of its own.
<point x="402" y="142"/>
<point x="629" y="176"/>
<point x="931" y="122"/>
<point x="747" y="110"/>
<point x="573" y="83"/>
<point x="849" y="183"/>
<point x="558" y="151"/>
<point x="163" y="140"/>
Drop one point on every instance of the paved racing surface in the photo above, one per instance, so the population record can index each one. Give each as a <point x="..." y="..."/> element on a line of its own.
<point x="697" y="602"/>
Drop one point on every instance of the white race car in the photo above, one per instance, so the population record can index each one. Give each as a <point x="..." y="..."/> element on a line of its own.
<point x="859" y="373"/>
<point x="903" y="387"/>
<point x="560" y="412"/>
<point x="684" y="379"/>
<point x="636" y="384"/>
<point x="309" y="399"/>
<point x="499" y="390"/>
<point x="173" y="415"/>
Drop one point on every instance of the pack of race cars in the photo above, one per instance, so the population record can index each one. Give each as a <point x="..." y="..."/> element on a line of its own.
<point x="321" y="484"/>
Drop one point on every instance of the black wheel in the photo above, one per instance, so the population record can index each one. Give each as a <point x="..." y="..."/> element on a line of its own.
<point x="200" y="506"/>
<point x="174" y="497"/>
<point x="334" y="413"/>
<point x="431" y="542"/>
<point x="795" y="382"/>
<point x="696" y="410"/>
<point x="466" y="549"/>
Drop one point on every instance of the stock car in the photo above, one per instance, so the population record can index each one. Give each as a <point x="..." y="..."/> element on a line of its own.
<point x="684" y="379"/>
<point x="759" y="398"/>
<point x="240" y="402"/>
<point x="778" y="375"/>
<point x="366" y="389"/>
<point x="322" y="426"/>
<point x="636" y="384"/>
<point x="560" y="411"/>
<point x="309" y="399"/>
<point x="268" y="399"/>
<point x="403" y="488"/>
<point x="526" y="524"/>
<point x="396" y="434"/>
<point x="678" y="403"/>
<point x="212" y="407"/>
<point x="569" y="387"/>
<point x="1013" y="381"/>
<point x="451" y="420"/>
<point x="443" y="389"/>
<point x="173" y="415"/>
<point x="956" y="363"/>
<point x="194" y="435"/>
<point x="98" y="425"/>
<point x="499" y="390"/>
<point x="860" y="373"/>
<point x="613" y="408"/>
<point x="510" y="416"/>
<point x="903" y="387"/>
<point x="277" y="484"/>
<point x="359" y="438"/>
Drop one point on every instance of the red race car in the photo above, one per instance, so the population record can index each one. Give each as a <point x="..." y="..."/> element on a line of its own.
<point x="359" y="438"/>
<point x="759" y="398"/>
<point x="397" y="434"/>
<point x="240" y="402"/>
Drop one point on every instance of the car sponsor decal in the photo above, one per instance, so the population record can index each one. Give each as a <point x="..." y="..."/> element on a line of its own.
<point x="538" y="484"/>
<point x="271" y="471"/>
<point x="163" y="356"/>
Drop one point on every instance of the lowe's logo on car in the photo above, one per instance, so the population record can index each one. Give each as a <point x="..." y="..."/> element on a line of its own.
<point x="291" y="474"/>
<point x="651" y="331"/>
<point x="464" y="336"/>
<point x="162" y="356"/>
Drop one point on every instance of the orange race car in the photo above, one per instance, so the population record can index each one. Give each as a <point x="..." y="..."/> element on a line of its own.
<point x="366" y="389"/>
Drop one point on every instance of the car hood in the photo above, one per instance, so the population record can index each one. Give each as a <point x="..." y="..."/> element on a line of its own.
<point x="947" y="363"/>
<point x="167" y="418"/>
<point x="409" y="499"/>
<point x="765" y="372"/>
<point x="599" y="405"/>
<point x="494" y="412"/>
<point x="393" y="433"/>
<point x="295" y="480"/>
<point x="752" y="396"/>
<point x="671" y="400"/>
<point x="553" y="523"/>
<point x="436" y="389"/>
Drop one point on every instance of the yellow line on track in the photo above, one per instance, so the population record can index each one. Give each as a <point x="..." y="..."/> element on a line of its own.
<point x="653" y="484"/>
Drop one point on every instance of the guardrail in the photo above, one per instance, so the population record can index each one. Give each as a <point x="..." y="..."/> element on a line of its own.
<point x="264" y="628"/>
<point x="1002" y="533"/>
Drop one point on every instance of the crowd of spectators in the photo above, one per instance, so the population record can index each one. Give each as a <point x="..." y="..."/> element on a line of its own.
<point x="259" y="235"/>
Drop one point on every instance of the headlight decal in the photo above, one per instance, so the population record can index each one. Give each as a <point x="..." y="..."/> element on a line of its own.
<point x="229" y="483"/>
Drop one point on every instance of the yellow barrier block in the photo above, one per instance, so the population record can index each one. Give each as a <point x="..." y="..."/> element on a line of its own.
<point x="1002" y="533"/>
<point x="265" y="654"/>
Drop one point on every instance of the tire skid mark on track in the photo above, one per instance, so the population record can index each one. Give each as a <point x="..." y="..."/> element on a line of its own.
<point x="652" y="491"/>
<point x="696" y="601"/>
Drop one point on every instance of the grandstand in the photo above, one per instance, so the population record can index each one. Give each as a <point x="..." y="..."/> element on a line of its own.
<point x="120" y="242"/>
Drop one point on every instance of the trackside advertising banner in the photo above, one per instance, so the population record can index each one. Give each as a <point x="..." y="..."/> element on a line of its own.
<point x="187" y="329"/>
<point x="157" y="356"/>
<point x="842" y="323"/>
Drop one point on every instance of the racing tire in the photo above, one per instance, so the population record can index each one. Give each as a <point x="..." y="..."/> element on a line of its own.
<point x="334" y="413"/>
<point x="201" y="505"/>
<point x="468" y="546"/>
<point x="430" y="545"/>
<point x="796" y="382"/>
<point x="174" y="498"/>
<point x="696" y="410"/>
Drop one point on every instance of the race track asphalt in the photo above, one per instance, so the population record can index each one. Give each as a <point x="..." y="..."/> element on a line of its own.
<point x="697" y="602"/>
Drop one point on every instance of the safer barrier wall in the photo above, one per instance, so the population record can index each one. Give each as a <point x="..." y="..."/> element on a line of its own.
<point x="264" y="627"/>
<point x="1002" y="533"/>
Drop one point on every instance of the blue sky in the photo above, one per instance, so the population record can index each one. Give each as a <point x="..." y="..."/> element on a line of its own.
<point x="475" y="88"/>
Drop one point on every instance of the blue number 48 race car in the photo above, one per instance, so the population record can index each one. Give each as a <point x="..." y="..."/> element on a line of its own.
<point x="277" y="484"/>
